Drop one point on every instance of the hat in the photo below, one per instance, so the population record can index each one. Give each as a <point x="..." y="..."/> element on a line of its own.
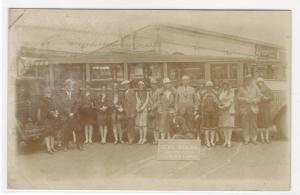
<point x="141" y="83"/>
<point x="125" y="82"/>
<point x="166" y="80"/>
<point x="260" y="80"/>
<point x="209" y="84"/>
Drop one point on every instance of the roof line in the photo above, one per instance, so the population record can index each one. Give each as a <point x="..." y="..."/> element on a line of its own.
<point x="217" y="34"/>
<point x="199" y="31"/>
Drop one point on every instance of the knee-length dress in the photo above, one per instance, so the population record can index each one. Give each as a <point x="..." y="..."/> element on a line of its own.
<point x="166" y="102"/>
<point x="87" y="112"/>
<point x="48" y="116"/>
<point x="103" y="109"/>
<point x="264" y="119"/>
<point x="142" y="99"/>
<point x="227" y="112"/>
<point x="210" y="110"/>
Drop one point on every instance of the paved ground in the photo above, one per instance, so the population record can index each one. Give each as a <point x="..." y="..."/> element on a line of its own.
<point x="256" y="167"/>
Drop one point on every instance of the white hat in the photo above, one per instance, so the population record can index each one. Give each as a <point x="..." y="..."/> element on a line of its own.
<point x="141" y="83"/>
<point x="70" y="81"/>
<point x="166" y="80"/>
<point x="125" y="82"/>
<point x="259" y="79"/>
<point x="185" y="77"/>
<point x="209" y="84"/>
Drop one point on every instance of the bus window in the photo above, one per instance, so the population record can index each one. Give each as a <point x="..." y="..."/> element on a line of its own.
<point x="107" y="72"/>
<point x="104" y="72"/>
<point x="221" y="72"/>
<point x="194" y="70"/>
<point x="145" y="71"/>
<point x="271" y="72"/>
<point x="66" y="71"/>
<point x="43" y="72"/>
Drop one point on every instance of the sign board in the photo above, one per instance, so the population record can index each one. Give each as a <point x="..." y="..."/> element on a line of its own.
<point x="178" y="149"/>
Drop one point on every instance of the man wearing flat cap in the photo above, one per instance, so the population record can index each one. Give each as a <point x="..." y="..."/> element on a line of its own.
<point x="248" y="97"/>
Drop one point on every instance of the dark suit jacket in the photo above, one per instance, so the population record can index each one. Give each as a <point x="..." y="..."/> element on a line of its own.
<point x="129" y="103"/>
<point x="66" y="104"/>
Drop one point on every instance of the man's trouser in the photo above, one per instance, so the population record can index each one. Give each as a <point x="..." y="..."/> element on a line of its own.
<point x="69" y="126"/>
<point x="249" y="125"/>
<point x="130" y="126"/>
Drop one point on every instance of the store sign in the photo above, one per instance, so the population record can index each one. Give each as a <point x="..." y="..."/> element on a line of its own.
<point x="178" y="149"/>
<point x="266" y="52"/>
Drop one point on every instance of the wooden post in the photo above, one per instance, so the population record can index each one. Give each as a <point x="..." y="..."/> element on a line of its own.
<point x="207" y="74"/>
<point x="88" y="73"/>
<point x="125" y="71"/>
<point x="165" y="69"/>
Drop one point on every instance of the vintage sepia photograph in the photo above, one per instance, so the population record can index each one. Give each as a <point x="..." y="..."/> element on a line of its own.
<point x="149" y="100"/>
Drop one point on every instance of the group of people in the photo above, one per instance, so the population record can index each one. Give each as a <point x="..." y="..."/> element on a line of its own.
<point x="167" y="112"/>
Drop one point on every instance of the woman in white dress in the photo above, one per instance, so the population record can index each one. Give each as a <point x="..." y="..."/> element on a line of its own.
<point x="226" y="112"/>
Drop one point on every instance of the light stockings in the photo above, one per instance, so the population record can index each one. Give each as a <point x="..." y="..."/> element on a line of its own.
<point x="88" y="132"/>
<point x="103" y="133"/>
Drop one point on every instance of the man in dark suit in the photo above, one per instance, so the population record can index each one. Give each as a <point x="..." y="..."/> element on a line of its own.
<point x="129" y="105"/>
<point x="68" y="101"/>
